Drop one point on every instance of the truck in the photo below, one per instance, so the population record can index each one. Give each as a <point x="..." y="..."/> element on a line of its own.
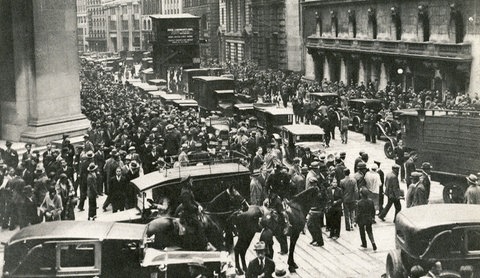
<point x="448" y="139"/>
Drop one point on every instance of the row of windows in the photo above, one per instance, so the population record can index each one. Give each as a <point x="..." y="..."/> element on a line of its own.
<point x="172" y="11"/>
<point x="95" y="11"/>
<point x="94" y="2"/>
<point x="456" y="27"/>
<point x="96" y="33"/>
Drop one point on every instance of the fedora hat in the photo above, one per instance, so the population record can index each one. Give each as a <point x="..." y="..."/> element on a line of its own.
<point x="90" y="154"/>
<point x="92" y="167"/>
<point x="361" y="166"/>
<point x="259" y="246"/>
<point x="314" y="165"/>
<point x="134" y="165"/>
<point x="39" y="169"/>
<point x="472" y="179"/>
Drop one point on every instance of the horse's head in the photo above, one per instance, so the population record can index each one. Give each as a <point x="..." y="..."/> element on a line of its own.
<point x="227" y="200"/>
<point x="306" y="198"/>
<point x="236" y="199"/>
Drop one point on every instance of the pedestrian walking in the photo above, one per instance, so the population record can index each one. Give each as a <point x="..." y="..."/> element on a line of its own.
<point x="92" y="191"/>
<point x="350" y="197"/>
<point x="416" y="195"/>
<point x="365" y="218"/>
<point x="393" y="193"/>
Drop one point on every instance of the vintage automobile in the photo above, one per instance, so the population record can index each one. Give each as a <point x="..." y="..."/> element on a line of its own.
<point x="272" y="118"/>
<point x="328" y="98"/>
<point x="302" y="136"/>
<point x="187" y="83"/>
<point x="185" y="104"/>
<point x="448" y="139"/>
<point x="214" y="93"/>
<point x="97" y="249"/>
<point x="208" y="182"/>
<point x="356" y="109"/>
<point x="449" y="233"/>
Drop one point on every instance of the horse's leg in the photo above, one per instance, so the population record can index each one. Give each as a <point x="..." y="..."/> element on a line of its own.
<point x="237" y="252"/>
<point x="293" y="242"/>
<point x="245" y="248"/>
<point x="282" y="239"/>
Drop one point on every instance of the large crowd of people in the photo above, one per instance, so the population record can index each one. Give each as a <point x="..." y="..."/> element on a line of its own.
<point x="133" y="134"/>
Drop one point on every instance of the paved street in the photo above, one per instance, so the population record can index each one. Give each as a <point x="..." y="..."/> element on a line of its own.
<point x="337" y="258"/>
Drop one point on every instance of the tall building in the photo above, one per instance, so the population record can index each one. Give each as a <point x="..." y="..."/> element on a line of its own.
<point x="82" y="25"/>
<point x="208" y="12"/>
<point x="172" y="6"/>
<point x="123" y="28"/>
<point x="430" y="44"/>
<point x="96" y="26"/>
<point x="276" y="40"/>
<point x="222" y="27"/>
<point x="148" y="8"/>
<point x="237" y="33"/>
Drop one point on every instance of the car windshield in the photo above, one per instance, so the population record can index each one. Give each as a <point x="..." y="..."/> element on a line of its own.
<point x="308" y="138"/>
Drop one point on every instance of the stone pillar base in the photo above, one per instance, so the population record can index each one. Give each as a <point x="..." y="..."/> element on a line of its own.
<point x="43" y="132"/>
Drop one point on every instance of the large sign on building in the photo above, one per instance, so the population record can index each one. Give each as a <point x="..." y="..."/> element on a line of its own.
<point x="175" y="42"/>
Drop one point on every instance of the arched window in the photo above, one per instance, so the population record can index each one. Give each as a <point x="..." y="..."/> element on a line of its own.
<point x="334" y="26"/>
<point x="318" y="26"/>
<point x="456" y="28"/>
<point x="352" y="24"/>
<point x="396" y="26"/>
<point x="372" y="23"/>
<point x="423" y="23"/>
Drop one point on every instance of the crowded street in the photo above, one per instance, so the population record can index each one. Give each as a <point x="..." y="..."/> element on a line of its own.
<point x="239" y="138"/>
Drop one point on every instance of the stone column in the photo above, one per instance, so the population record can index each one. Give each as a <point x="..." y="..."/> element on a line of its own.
<point x="309" y="66"/>
<point x="47" y="87"/>
<point x="383" y="77"/>
<point x="326" y="69"/>
<point x="361" y="72"/>
<point x="343" y="71"/>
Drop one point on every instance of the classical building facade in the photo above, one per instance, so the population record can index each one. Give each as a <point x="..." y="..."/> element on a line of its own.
<point x="431" y="44"/>
<point x="208" y="12"/>
<point x="96" y="26"/>
<point x="123" y="28"/>
<point x="40" y="95"/>
<point x="172" y="7"/>
<point x="82" y="25"/>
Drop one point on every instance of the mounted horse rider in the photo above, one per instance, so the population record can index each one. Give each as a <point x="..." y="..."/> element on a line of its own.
<point x="189" y="212"/>
<point x="278" y="187"/>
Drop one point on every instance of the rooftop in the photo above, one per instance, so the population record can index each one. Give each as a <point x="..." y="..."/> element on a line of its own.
<point x="304" y="129"/>
<point x="173" y="16"/>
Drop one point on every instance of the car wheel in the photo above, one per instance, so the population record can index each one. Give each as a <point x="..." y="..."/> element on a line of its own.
<point x="394" y="266"/>
<point x="389" y="150"/>
<point x="453" y="193"/>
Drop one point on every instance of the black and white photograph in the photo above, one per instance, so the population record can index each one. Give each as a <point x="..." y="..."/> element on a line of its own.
<point x="240" y="138"/>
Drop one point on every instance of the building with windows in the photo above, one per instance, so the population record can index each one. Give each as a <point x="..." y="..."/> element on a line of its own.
<point x="431" y="44"/>
<point x="82" y="25"/>
<point x="123" y="28"/>
<point x="148" y="8"/>
<point x="172" y="6"/>
<point x="236" y="33"/>
<point x="208" y="11"/>
<point x="96" y="26"/>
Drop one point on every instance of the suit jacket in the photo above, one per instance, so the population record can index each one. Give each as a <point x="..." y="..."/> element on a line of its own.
<point x="150" y="163"/>
<point x="118" y="187"/>
<point x="392" y="186"/>
<point x="254" y="270"/>
<point x="365" y="212"/>
<point x="335" y="199"/>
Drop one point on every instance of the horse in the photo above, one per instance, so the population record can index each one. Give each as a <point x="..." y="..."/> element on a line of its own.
<point x="214" y="221"/>
<point x="222" y="208"/>
<point x="248" y="224"/>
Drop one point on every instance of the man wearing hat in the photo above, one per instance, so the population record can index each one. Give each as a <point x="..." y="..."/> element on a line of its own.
<point x="261" y="266"/>
<point x="410" y="167"/>
<point x="472" y="194"/>
<point x="307" y="157"/>
<point x="27" y="155"/>
<point x="257" y="191"/>
<point x="150" y="163"/>
<point x="359" y="176"/>
<point x="88" y="145"/>
<point x="89" y="158"/>
<point x="28" y="212"/>
<point x="70" y="153"/>
<point x="361" y="156"/>
<point x="92" y="191"/>
<point x="416" y="195"/>
<point x="393" y="193"/>
<point x="426" y="170"/>
<point x="350" y="197"/>
<point x="10" y="156"/>
<point x="373" y="128"/>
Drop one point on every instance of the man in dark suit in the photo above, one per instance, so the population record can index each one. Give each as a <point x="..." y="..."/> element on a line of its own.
<point x="307" y="158"/>
<point x="28" y="153"/>
<point x="410" y="168"/>
<point x="118" y="187"/>
<point x="426" y="180"/>
<point x="392" y="191"/>
<point x="335" y="197"/>
<point x="261" y="266"/>
<point x="10" y="156"/>
<point x="150" y="163"/>
<point x="48" y="158"/>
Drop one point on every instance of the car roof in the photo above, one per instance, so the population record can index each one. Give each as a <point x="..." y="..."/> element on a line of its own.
<point x="273" y="110"/>
<point x="212" y="78"/>
<point x="321" y="94"/>
<point x="366" y="100"/>
<point x="80" y="230"/>
<point x="434" y="215"/>
<point x="304" y="129"/>
<point x="175" y="174"/>
<point x="224" y="91"/>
